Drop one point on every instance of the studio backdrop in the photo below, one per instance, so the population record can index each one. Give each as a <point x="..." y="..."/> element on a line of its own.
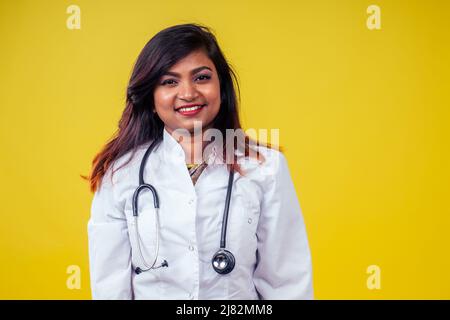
<point x="359" y="91"/>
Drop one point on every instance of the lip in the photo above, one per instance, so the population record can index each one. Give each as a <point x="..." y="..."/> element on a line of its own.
<point x="191" y="112"/>
<point x="189" y="106"/>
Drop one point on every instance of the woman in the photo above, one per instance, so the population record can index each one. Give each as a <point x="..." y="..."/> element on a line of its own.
<point x="218" y="219"/>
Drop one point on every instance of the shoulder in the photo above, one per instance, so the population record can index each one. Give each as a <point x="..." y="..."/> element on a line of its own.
<point x="262" y="179"/>
<point x="122" y="174"/>
<point x="267" y="173"/>
<point x="271" y="163"/>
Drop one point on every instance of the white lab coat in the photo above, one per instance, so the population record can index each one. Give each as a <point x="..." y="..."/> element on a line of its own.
<point x="266" y="231"/>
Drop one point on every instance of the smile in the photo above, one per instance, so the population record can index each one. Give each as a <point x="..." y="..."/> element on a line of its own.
<point x="189" y="111"/>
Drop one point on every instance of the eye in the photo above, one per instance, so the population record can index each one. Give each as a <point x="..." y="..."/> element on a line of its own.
<point x="201" y="77"/>
<point x="168" y="81"/>
<point x="204" y="77"/>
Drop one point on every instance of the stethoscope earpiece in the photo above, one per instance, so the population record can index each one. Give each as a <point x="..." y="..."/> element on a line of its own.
<point x="223" y="261"/>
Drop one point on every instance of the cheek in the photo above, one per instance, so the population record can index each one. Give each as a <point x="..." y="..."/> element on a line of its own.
<point x="163" y="100"/>
<point x="212" y="94"/>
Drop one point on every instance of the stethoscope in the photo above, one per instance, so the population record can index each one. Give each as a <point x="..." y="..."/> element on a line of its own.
<point x="223" y="261"/>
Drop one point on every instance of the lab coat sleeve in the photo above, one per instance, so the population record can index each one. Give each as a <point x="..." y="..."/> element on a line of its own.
<point x="284" y="268"/>
<point x="109" y="247"/>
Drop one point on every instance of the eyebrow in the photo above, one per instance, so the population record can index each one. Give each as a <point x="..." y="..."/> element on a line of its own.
<point x="193" y="71"/>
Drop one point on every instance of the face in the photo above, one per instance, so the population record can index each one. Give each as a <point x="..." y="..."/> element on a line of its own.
<point x="188" y="92"/>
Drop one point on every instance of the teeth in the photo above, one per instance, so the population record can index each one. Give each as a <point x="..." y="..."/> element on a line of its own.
<point x="190" y="109"/>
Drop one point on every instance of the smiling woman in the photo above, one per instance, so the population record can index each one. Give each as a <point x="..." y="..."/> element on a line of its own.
<point x="163" y="227"/>
<point x="188" y="93"/>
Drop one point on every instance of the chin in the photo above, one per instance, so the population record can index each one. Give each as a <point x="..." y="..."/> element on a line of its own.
<point x="192" y="124"/>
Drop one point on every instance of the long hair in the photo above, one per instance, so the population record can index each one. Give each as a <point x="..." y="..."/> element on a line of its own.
<point x="139" y="124"/>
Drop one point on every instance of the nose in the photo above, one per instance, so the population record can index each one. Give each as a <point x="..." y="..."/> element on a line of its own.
<point x="187" y="91"/>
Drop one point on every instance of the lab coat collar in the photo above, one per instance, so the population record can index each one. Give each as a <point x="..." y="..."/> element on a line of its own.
<point x="172" y="148"/>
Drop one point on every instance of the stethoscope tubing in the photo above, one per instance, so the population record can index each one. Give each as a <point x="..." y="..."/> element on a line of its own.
<point x="135" y="204"/>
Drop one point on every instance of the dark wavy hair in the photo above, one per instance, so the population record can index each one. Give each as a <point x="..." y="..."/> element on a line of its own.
<point x="139" y="124"/>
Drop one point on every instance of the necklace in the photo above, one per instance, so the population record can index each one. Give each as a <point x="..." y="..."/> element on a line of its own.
<point x="195" y="169"/>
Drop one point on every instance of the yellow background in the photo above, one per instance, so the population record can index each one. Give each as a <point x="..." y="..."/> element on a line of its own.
<point x="363" y="116"/>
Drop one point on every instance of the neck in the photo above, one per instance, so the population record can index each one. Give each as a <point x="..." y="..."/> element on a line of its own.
<point x="192" y="145"/>
<point x="193" y="148"/>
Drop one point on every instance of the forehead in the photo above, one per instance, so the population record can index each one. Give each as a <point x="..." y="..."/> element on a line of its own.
<point x="193" y="60"/>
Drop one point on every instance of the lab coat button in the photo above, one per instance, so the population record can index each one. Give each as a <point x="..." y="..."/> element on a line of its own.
<point x="249" y="220"/>
<point x="191" y="248"/>
<point x="191" y="296"/>
<point x="191" y="201"/>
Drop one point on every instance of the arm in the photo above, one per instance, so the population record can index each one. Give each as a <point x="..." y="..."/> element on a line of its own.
<point x="284" y="268"/>
<point x="109" y="247"/>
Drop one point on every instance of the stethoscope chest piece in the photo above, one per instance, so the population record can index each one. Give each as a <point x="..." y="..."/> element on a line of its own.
<point x="223" y="261"/>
